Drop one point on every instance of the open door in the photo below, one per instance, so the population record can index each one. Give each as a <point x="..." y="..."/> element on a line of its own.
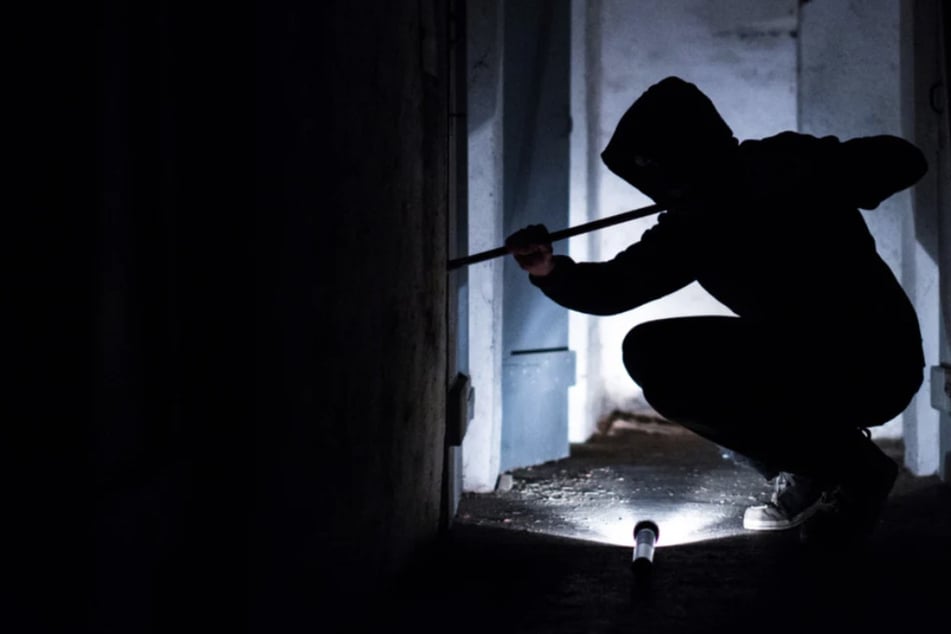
<point x="537" y="367"/>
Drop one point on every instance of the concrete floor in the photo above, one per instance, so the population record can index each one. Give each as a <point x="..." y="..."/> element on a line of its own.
<point x="552" y="554"/>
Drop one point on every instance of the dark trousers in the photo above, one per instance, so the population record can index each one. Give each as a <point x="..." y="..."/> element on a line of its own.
<point x="787" y="398"/>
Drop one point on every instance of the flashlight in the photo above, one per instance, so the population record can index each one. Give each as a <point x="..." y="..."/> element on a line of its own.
<point x="645" y="536"/>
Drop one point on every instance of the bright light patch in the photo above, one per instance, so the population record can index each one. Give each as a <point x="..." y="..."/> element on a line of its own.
<point x="678" y="523"/>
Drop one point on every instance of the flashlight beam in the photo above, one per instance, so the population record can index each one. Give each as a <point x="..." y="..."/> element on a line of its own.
<point x="562" y="234"/>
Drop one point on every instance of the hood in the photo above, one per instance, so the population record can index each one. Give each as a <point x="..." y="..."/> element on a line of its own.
<point x="669" y="140"/>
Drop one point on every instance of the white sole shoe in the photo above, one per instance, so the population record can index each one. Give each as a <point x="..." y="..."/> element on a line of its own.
<point x="769" y="517"/>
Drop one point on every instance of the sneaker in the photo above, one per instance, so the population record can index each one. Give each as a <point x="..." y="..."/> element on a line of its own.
<point x="851" y="511"/>
<point x="794" y="500"/>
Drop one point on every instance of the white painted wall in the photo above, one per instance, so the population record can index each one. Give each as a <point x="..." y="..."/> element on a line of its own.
<point x="482" y="444"/>
<point x="581" y="413"/>
<point x="927" y="229"/>
<point x="852" y="84"/>
<point x="742" y="53"/>
<point x="849" y="86"/>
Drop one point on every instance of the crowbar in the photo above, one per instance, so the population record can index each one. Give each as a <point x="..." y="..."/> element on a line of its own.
<point x="561" y="235"/>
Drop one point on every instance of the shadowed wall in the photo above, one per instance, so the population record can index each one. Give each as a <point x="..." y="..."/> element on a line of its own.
<point x="233" y="366"/>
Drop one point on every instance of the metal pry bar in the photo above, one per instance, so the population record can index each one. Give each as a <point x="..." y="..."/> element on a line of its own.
<point x="561" y="235"/>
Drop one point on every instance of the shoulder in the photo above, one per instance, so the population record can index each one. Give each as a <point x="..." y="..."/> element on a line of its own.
<point x="787" y="166"/>
<point x="788" y="143"/>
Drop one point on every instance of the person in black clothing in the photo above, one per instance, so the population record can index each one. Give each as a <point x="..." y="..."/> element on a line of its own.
<point x="824" y="344"/>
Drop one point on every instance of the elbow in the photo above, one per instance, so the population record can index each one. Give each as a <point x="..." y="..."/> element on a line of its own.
<point x="917" y="165"/>
<point x="908" y="163"/>
<point x="892" y="165"/>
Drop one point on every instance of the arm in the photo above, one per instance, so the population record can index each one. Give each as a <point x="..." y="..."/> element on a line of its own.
<point x="659" y="264"/>
<point x="874" y="168"/>
<point x="860" y="172"/>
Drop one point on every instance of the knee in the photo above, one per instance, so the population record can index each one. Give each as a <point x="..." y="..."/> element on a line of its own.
<point x="640" y="355"/>
<point x="651" y="369"/>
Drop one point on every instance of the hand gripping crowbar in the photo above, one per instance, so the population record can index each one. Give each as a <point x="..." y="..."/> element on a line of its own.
<point x="561" y="235"/>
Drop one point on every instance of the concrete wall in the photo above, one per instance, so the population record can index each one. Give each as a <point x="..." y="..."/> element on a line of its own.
<point x="944" y="241"/>
<point x="583" y="412"/>
<point x="234" y="370"/>
<point x="481" y="446"/>
<point x="743" y="55"/>
<point x="849" y="86"/>
<point x="927" y="232"/>
<point x="352" y="227"/>
<point x="853" y="83"/>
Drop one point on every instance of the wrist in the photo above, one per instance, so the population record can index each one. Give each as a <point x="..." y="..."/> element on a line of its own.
<point x="543" y="270"/>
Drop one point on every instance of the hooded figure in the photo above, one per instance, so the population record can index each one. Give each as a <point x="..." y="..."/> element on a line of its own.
<point x="824" y="343"/>
<point x="670" y="137"/>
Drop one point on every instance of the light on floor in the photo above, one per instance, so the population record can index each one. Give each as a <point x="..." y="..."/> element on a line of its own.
<point x="678" y="523"/>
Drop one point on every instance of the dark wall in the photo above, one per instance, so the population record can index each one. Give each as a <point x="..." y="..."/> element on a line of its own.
<point x="355" y="292"/>
<point x="233" y="358"/>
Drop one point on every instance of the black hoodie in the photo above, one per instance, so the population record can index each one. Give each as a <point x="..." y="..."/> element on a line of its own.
<point x="769" y="227"/>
